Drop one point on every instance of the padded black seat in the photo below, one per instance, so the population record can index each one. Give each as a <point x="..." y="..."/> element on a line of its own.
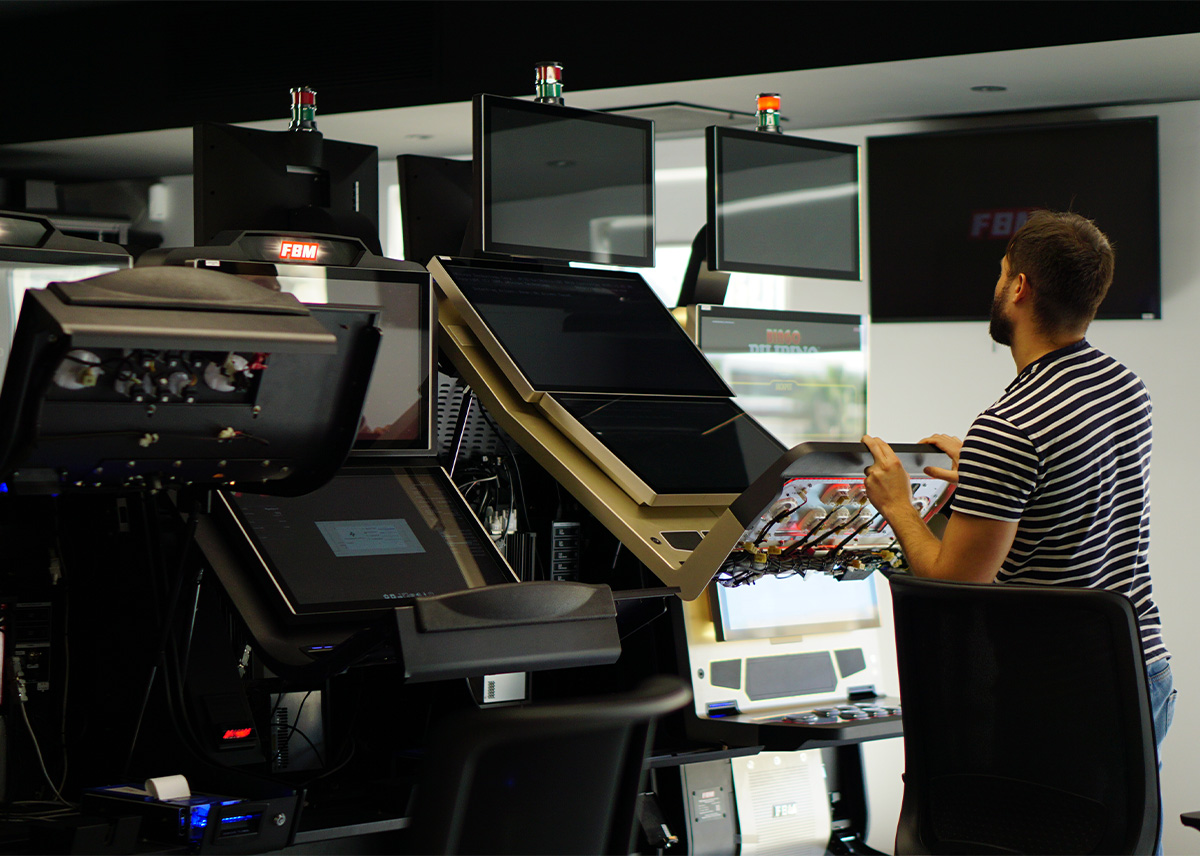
<point x="1027" y="722"/>
<point x="557" y="778"/>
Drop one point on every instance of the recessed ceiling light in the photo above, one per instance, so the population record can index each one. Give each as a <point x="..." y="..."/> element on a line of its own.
<point x="989" y="88"/>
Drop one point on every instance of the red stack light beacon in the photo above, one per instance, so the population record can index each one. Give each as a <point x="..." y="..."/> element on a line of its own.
<point x="304" y="109"/>
<point x="548" y="82"/>
<point x="767" y="112"/>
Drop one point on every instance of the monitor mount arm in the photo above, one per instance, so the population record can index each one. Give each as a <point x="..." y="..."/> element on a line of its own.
<point x="702" y="284"/>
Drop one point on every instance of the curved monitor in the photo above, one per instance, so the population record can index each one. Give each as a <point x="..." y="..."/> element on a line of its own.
<point x="558" y="182"/>
<point x="782" y="205"/>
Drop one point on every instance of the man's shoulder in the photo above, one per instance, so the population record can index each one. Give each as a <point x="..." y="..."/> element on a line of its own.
<point x="1079" y="370"/>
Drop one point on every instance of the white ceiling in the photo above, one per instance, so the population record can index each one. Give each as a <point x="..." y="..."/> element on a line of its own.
<point x="1131" y="71"/>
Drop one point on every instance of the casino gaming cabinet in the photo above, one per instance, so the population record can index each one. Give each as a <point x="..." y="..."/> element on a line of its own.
<point x="302" y="690"/>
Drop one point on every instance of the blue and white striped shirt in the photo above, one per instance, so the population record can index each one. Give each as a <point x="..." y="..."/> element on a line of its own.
<point x="1066" y="452"/>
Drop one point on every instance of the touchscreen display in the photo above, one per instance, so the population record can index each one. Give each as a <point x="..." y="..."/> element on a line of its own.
<point x="679" y="446"/>
<point x="781" y="607"/>
<point x="591" y="331"/>
<point x="369" y="540"/>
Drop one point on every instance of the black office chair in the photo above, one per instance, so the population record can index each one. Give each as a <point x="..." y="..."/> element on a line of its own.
<point x="1027" y="724"/>
<point x="556" y="778"/>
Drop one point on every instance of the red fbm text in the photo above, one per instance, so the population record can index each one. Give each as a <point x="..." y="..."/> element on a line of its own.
<point x="998" y="223"/>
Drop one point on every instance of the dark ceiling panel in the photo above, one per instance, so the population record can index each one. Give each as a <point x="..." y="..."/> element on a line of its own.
<point x="108" y="66"/>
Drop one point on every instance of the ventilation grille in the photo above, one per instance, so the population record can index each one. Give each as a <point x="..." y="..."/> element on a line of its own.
<point x="478" y="439"/>
<point x="280" y="734"/>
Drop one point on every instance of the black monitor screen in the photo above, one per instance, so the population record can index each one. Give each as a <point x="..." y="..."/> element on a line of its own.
<point x="562" y="183"/>
<point x="681" y="446"/>
<point x="586" y="331"/>
<point x="942" y="208"/>
<point x="803" y="375"/>
<point x="396" y="414"/>
<point x="284" y="181"/>
<point x="369" y="539"/>
<point x="782" y="205"/>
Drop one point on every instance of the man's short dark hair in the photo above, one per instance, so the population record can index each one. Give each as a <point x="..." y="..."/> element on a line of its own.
<point x="1068" y="262"/>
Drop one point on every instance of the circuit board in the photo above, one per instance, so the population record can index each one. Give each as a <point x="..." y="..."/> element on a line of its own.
<point x="824" y="525"/>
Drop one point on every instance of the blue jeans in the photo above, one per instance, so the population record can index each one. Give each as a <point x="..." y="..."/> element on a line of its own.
<point x="1162" y="698"/>
<point x="1162" y="706"/>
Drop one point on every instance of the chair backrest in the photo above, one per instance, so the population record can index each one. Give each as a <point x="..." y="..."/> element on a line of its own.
<point x="1027" y="724"/>
<point x="556" y="778"/>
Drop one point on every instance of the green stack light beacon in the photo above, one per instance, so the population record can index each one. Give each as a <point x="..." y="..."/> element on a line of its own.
<point x="304" y="109"/>
<point x="548" y="82"/>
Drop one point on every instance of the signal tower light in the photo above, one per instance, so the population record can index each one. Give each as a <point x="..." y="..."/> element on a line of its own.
<point x="304" y="109"/>
<point x="767" y="112"/>
<point x="548" y="82"/>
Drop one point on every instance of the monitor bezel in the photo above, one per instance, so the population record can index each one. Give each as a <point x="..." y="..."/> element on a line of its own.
<point x="714" y="137"/>
<point x="482" y="198"/>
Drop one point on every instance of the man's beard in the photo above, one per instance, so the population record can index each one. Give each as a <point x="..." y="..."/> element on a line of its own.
<point x="1000" y="328"/>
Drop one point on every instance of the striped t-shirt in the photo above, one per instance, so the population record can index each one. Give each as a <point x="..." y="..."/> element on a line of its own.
<point x="1066" y="451"/>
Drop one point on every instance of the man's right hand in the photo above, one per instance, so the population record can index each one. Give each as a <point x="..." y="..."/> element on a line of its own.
<point x="952" y="446"/>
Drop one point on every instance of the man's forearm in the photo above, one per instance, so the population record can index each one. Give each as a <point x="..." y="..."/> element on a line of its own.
<point x="921" y="547"/>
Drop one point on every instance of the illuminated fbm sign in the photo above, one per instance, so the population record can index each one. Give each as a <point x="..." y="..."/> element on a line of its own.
<point x="304" y="251"/>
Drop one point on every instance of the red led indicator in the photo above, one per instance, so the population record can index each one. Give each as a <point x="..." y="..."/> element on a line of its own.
<point x="768" y="102"/>
<point x="237" y="733"/>
<point x="303" y="251"/>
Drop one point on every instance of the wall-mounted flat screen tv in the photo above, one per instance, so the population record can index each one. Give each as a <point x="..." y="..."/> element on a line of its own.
<point x="942" y="207"/>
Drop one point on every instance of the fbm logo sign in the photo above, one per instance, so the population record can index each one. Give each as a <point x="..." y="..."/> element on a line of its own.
<point x="998" y="223"/>
<point x="304" y="251"/>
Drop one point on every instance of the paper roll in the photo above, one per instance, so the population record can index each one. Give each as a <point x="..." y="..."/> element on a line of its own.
<point x="168" y="788"/>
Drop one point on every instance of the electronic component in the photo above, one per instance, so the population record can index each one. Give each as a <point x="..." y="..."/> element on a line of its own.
<point x="155" y="377"/>
<point x="564" y="550"/>
<point x="237" y="825"/>
<point x="823" y="523"/>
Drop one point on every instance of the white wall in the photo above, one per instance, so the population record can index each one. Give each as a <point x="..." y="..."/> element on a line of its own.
<point x="927" y="378"/>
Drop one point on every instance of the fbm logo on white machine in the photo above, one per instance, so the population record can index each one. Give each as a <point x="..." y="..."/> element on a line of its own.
<point x="299" y="250"/>
<point x="785" y="810"/>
